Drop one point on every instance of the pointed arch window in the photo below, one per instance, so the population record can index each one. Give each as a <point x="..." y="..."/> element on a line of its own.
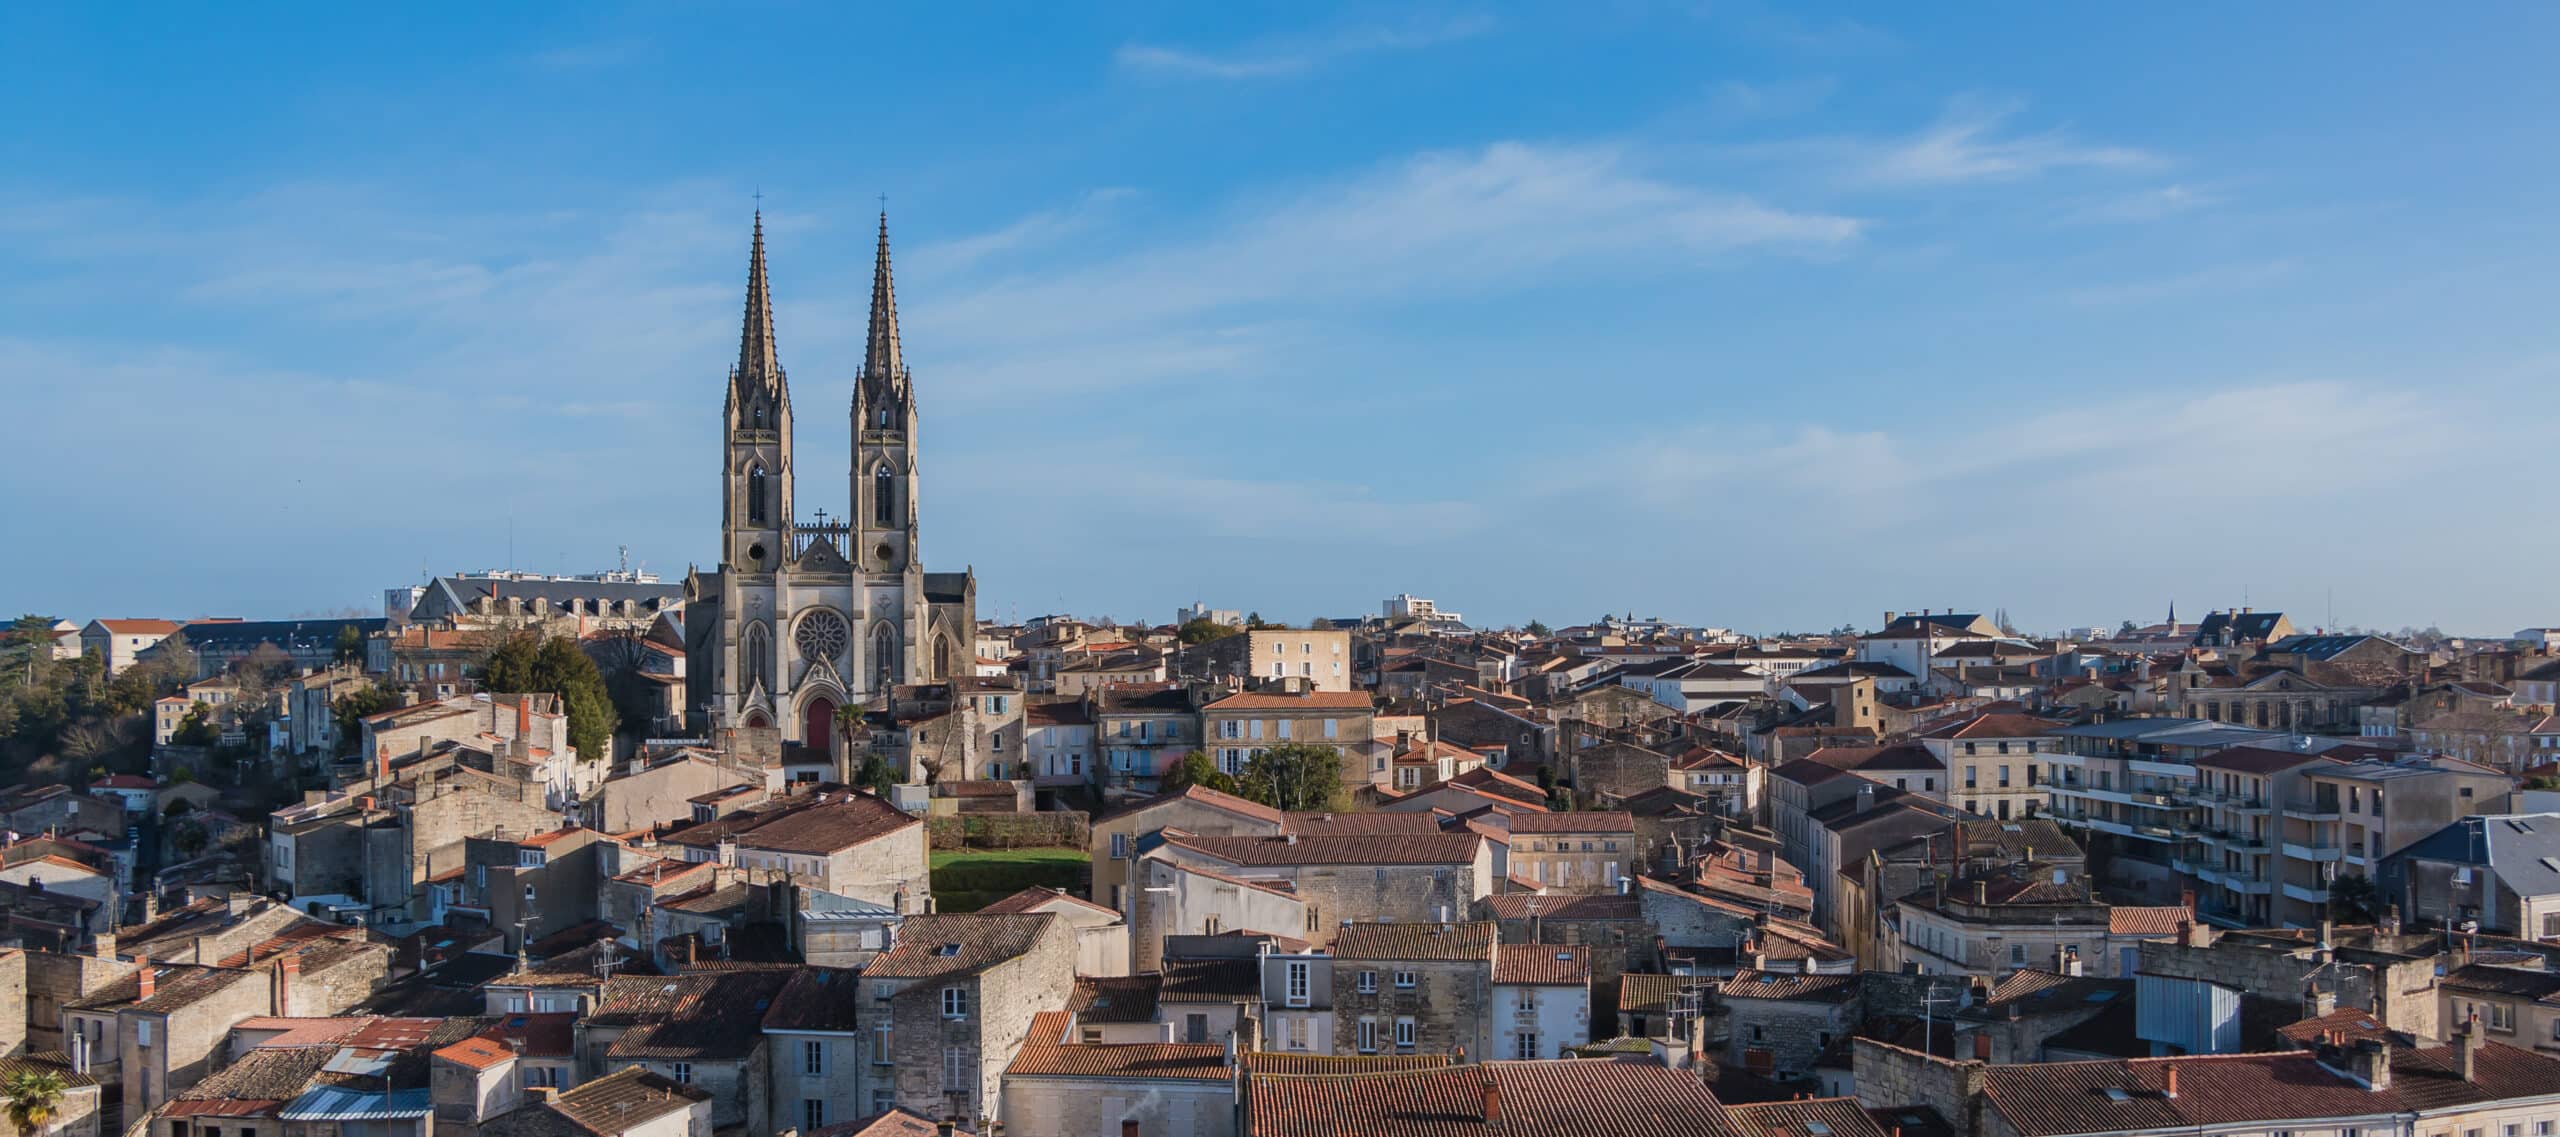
<point x="941" y="657"/>
<point x="755" y="653"/>
<point x="759" y="416"/>
<point x="756" y="490"/>
<point x="884" y="498"/>
<point x="884" y="657"/>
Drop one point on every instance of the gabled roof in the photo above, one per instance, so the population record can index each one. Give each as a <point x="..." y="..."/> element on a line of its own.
<point x="1046" y="1054"/>
<point x="959" y="943"/>
<point x="1198" y="795"/>
<point x="1469" y="941"/>
<point x="1541" y="965"/>
<point x="2233" y="1090"/>
<point x="1329" y="849"/>
<point x="1900" y="756"/>
<point x="1570" y="1097"/>
<point x="813" y="828"/>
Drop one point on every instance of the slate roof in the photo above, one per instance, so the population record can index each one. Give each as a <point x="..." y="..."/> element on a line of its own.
<point x="1468" y="941"/>
<point x="2521" y="848"/>
<point x="958" y="943"/>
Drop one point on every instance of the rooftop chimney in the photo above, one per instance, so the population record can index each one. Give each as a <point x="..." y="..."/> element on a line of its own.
<point x="2370" y="1063"/>
<point x="288" y="968"/>
<point x="2466" y="1050"/>
<point x="146" y="979"/>
<point x="1128" y="1127"/>
<point x="1492" y="1100"/>
<point x="2169" y="1080"/>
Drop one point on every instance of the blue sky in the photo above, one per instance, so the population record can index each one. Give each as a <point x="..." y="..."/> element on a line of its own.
<point x="1740" y="314"/>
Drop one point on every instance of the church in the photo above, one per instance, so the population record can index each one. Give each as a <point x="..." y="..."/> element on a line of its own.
<point x="805" y="617"/>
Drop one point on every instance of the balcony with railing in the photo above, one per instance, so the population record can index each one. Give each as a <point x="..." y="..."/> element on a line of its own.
<point x="837" y="535"/>
<point x="2314" y="851"/>
<point x="2318" y="809"/>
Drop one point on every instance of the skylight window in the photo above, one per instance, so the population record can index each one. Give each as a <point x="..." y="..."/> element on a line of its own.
<point x="947" y="950"/>
<point x="2114" y="1094"/>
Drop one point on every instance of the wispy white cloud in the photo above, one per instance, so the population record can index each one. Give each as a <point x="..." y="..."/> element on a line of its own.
<point x="2213" y="279"/>
<point x="1294" y="56"/>
<point x="588" y="56"/>
<point x="1970" y="143"/>
<point x="1432" y="226"/>
<point x="2153" y="204"/>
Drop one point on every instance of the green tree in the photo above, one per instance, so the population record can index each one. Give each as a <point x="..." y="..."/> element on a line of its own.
<point x="2127" y="630"/>
<point x="351" y="709"/>
<point x="1538" y="628"/>
<point x="350" y="644"/>
<point x="34" y="1097"/>
<point x="195" y="729"/>
<point x="2353" y="899"/>
<point x="1198" y="769"/>
<point x="874" y="775"/>
<point x="528" y="663"/>
<point x="1293" y="776"/>
<point x="1253" y="621"/>
<point x="1203" y="630"/>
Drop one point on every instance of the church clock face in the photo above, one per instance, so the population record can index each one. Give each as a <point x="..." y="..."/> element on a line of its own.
<point x="822" y="636"/>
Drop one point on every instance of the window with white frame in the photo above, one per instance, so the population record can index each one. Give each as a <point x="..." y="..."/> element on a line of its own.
<point x="1368" y="1036"/>
<point x="1297" y="982"/>
<point x="1368" y="983"/>
<point x="682" y="1072"/>
<point x="955" y="1068"/>
<point x="955" y="1002"/>
<point x="1404" y="979"/>
<point x="1404" y="1032"/>
<point x="813" y="1058"/>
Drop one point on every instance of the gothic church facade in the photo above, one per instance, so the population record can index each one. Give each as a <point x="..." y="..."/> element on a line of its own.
<point x="804" y="618"/>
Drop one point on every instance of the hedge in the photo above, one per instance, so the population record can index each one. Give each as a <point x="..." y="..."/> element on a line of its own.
<point x="1053" y="829"/>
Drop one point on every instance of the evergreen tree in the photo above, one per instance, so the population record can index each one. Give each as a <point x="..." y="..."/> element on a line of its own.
<point x="1293" y="776"/>
<point x="527" y="662"/>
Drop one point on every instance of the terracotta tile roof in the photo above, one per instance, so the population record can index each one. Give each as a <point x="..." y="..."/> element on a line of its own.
<point x="1541" y="965"/>
<point x="2147" y="920"/>
<point x="956" y="943"/>
<point x="1370" y="824"/>
<point x="2351" y="1024"/>
<point x="177" y="986"/>
<point x="1330" y="849"/>
<point x="1573" y="1097"/>
<point x="812" y="829"/>
<point x="1819" y="1117"/>
<point x="895" y="1123"/>
<point x="477" y="1053"/>
<point x="1580" y="821"/>
<point x="818" y="998"/>
<point x="542" y="1035"/>
<point x="1311" y="701"/>
<point x="2231" y="1090"/>
<point x="1200" y="795"/>
<point x="1115" y="999"/>
<point x="696" y="1016"/>
<point x="1651" y="993"/>
<point x="1997" y="726"/>
<point x="1044" y="1055"/>
<point x="1783" y="985"/>
<point x="1210" y="980"/>
<point x="1035" y="898"/>
<point x="1497" y="783"/>
<point x="1596" y="906"/>
<point x="259" y="1081"/>
<point x="1469" y="941"/>
<point x="1301" y="1062"/>
<point x="139" y="627"/>
<point x="625" y="1099"/>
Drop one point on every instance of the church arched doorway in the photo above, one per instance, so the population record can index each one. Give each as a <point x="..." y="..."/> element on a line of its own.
<point x="755" y="720"/>
<point x="818" y="727"/>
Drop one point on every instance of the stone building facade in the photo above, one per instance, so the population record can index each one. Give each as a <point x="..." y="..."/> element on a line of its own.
<point x="1422" y="988"/>
<point x="960" y="992"/>
<point x="803" y="618"/>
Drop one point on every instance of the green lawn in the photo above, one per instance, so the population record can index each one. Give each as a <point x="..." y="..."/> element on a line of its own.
<point x="965" y="880"/>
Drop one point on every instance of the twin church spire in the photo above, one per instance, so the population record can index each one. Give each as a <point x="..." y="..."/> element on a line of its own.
<point x="760" y="364"/>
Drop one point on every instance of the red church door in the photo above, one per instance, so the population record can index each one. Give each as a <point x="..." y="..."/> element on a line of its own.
<point x="819" y="732"/>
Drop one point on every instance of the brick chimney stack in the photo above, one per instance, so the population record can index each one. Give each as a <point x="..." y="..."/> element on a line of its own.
<point x="2169" y="1080"/>
<point x="146" y="980"/>
<point x="288" y="969"/>
<point x="1492" y="1101"/>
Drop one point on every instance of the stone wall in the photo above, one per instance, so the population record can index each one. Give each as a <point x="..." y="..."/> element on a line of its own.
<point x="1451" y="1004"/>
<point x="331" y="990"/>
<point x="46" y="981"/>
<point x="1364" y="893"/>
<point x="1890" y="1076"/>
<point x="1086" y="1107"/>
<point x="1002" y="1000"/>
<point x="882" y="869"/>
<point x="1050" y="830"/>
<point x="1793" y="1032"/>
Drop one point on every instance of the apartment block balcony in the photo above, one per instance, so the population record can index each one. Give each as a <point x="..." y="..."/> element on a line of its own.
<point x="2306" y="895"/>
<point x="2312" y="810"/>
<point x="2236" y="841"/>
<point x="2315" y="852"/>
